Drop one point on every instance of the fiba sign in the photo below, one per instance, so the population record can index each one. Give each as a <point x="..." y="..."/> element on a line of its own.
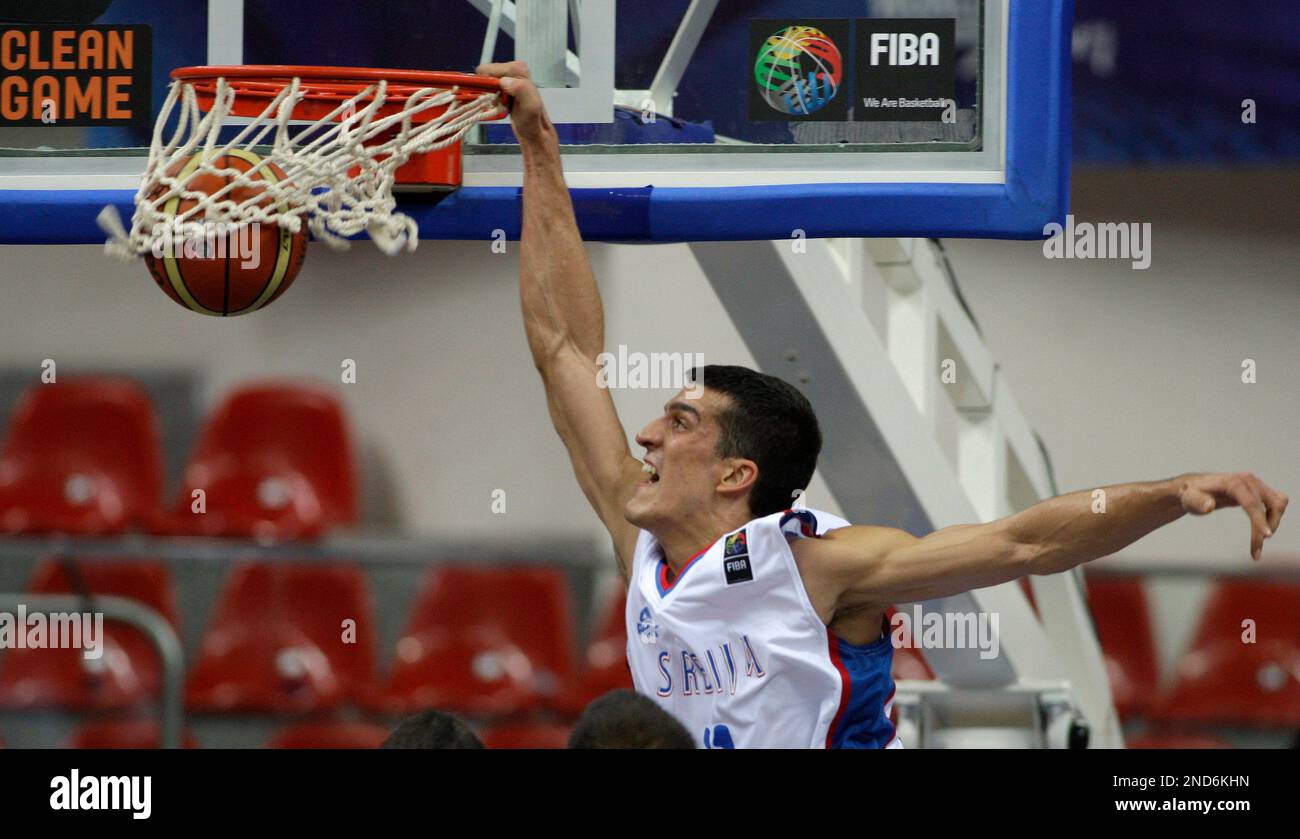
<point x="905" y="49"/>
<point x="907" y="69"/>
<point x="856" y="70"/>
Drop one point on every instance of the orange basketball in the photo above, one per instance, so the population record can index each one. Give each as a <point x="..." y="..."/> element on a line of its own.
<point x="232" y="269"/>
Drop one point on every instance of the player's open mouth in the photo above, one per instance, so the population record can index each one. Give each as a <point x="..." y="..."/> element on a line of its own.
<point x="652" y="472"/>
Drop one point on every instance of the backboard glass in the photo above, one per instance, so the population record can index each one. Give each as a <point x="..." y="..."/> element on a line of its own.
<point x="682" y="120"/>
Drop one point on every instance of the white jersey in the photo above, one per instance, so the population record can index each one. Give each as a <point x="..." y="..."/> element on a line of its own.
<point x="734" y="650"/>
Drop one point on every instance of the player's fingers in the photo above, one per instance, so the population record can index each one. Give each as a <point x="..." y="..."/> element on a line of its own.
<point x="500" y="69"/>
<point x="519" y="87"/>
<point x="515" y="86"/>
<point x="1249" y="501"/>
<point x="1244" y="493"/>
<point x="1197" y="502"/>
<point x="1276" y="503"/>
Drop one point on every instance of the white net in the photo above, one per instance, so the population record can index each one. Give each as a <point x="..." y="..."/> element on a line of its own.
<point x="336" y="173"/>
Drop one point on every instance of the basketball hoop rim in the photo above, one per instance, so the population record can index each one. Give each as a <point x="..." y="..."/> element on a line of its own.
<point x="468" y="85"/>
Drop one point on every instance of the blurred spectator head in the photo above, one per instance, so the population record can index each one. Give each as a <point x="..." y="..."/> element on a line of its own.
<point x="624" y="719"/>
<point x="432" y="730"/>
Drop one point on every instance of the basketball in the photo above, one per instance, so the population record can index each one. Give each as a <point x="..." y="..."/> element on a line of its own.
<point x="231" y="269"/>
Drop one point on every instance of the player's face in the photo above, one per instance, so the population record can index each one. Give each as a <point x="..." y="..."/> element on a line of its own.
<point x="681" y="447"/>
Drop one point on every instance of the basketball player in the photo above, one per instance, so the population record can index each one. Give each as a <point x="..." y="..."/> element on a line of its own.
<point x="756" y="625"/>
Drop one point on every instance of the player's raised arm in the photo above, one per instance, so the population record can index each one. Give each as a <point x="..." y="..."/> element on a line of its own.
<point x="563" y="317"/>
<point x="880" y="566"/>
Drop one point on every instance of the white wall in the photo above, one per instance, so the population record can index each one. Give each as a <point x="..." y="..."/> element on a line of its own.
<point x="1137" y="374"/>
<point x="1131" y="375"/>
<point x="446" y="404"/>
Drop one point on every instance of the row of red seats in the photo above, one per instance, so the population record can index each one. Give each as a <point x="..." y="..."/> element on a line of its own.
<point x="498" y="641"/>
<point x="1222" y="679"/>
<point x="83" y="457"/>
<point x="273" y="461"/>
<point x="299" y="639"/>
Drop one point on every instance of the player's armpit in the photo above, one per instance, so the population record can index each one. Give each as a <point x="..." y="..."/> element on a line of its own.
<point x="881" y="566"/>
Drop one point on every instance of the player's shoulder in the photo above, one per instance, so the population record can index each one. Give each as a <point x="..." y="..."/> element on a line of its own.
<point x="804" y="521"/>
<point x="849" y="543"/>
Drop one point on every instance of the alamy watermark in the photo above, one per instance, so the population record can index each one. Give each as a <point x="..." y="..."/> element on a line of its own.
<point x="946" y="631"/>
<point x="656" y="370"/>
<point x="74" y="791"/>
<point x="53" y="631"/>
<point x="1108" y="240"/>
<point x="209" y="240"/>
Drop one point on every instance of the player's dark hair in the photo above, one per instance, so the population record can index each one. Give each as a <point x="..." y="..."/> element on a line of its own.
<point x="624" y="719"/>
<point x="432" y="730"/>
<point x="771" y="423"/>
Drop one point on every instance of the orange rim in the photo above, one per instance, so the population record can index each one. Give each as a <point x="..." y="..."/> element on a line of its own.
<point x="327" y="86"/>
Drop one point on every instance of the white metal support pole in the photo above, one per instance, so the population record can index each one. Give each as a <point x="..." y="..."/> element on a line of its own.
<point x="542" y="39"/>
<point x="225" y="32"/>
<point x="493" y="32"/>
<point x="575" y="20"/>
<point x="680" y="52"/>
<point x="584" y="91"/>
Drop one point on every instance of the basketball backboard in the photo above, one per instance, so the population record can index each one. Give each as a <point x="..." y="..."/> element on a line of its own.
<point x="682" y="120"/>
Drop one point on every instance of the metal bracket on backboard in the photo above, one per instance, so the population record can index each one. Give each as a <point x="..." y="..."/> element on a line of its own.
<point x="659" y="98"/>
<point x="589" y="73"/>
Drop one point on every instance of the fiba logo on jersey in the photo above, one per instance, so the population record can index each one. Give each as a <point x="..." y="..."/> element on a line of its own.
<point x="735" y="559"/>
<point x="646" y="629"/>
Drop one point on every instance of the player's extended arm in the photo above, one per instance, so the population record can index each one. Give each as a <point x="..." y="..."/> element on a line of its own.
<point x="563" y="317"/>
<point x="880" y="566"/>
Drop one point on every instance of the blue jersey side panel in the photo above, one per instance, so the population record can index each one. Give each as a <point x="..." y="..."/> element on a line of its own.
<point x="865" y="723"/>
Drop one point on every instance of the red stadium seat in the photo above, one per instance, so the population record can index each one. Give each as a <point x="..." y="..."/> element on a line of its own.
<point x="82" y="457"/>
<point x="275" y="643"/>
<point x="1177" y="741"/>
<point x="606" y="664"/>
<point x="337" y="734"/>
<point x="485" y="641"/>
<point x="274" y="461"/>
<point x="1222" y="679"/>
<point x="124" y="734"/>
<point x="527" y="736"/>
<point x="127" y="674"/>
<point x="1123" y="619"/>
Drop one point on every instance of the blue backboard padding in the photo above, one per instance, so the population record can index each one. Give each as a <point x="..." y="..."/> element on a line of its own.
<point x="58" y="217"/>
